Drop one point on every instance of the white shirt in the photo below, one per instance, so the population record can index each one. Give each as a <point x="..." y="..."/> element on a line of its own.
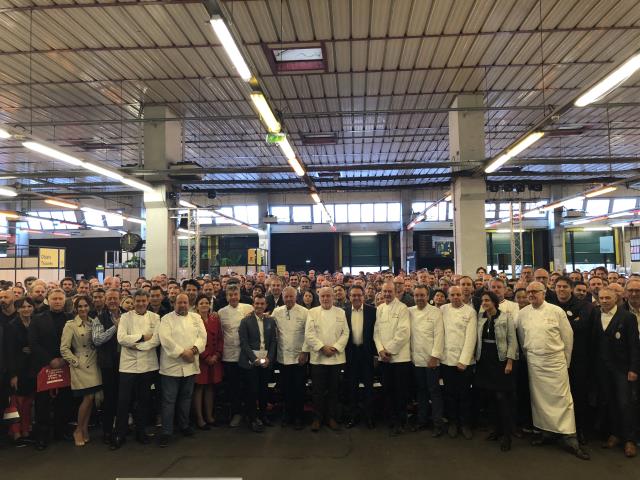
<point x="605" y="317"/>
<point x="290" y="325"/>
<point x="512" y="307"/>
<point x="357" y="326"/>
<point x="393" y="330"/>
<point x="326" y="327"/>
<point x="178" y="333"/>
<point x="460" y="330"/>
<point x="260" y="322"/>
<point x="427" y="334"/>
<point x="137" y="356"/>
<point x="230" y="318"/>
<point x="545" y="330"/>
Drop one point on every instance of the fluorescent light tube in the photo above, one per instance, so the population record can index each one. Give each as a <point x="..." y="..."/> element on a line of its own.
<point x="297" y="168"/>
<point x="136" y="184"/>
<point x="267" y="116"/>
<point x="61" y="203"/>
<point x="11" y="215"/>
<point x="100" y="229"/>
<point x="315" y="197"/>
<point x="610" y="82"/>
<point x="53" y="153"/>
<point x="4" y="134"/>
<point x="8" y="192"/>
<point x="229" y="45"/>
<point x="184" y="203"/>
<point x="139" y="221"/>
<point x="448" y="198"/>
<point x="102" y="171"/>
<point x="363" y="234"/>
<point x="561" y="203"/>
<point x="514" y="151"/>
<point x="287" y="151"/>
<point x="96" y="211"/>
<point x="600" y="191"/>
<point x="621" y="224"/>
<point x="596" y="229"/>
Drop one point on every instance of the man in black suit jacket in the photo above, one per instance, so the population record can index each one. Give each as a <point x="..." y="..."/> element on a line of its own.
<point x="617" y="365"/>
<point x="45" y="332"/>
<point x="258" y="344"/>
<point x="274" y="299"/>
<point x="360" y="352"/>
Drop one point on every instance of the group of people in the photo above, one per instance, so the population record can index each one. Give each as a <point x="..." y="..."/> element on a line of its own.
<point x="550" y="354"/>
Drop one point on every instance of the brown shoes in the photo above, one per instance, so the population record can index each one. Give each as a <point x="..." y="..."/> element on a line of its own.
<point x="333" y="425"/>
<point x="612" y="442"/>
<point x="315" y="426"/>
<point x="630" y="450"/>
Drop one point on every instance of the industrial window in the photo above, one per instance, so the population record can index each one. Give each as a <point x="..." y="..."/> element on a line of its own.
<point x="598" y="207"/>
<point x="301" y="214"/>
<point x="225" y="211"/>
<point x="535" y="213"/>
<point x="380" y="212"/>
<point x="366" y="212"/>
<point x="341" y="214"/>
<point x="282" y="213"/>
<point x="393" y="212"/>
<point x="450" y="210"/>
<point x="354" y="212"/>
<point x="432" y="213"/>
<point x="205" y="217"/>
<point x="505" y="212"/>
<point x="317" y="213"/>
<point x="93" y="218"/>
<point x="114" y="220"/>
<point x="253" y="215"/>
<point x="623" y="204"/>
<point x="575" y="204"/>
<point x="418" y="207"/>
<point x="325" y="219"/>
<point x="489" y="211"/>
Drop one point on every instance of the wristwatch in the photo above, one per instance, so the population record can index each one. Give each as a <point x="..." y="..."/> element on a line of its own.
<point x="194" y="349"/>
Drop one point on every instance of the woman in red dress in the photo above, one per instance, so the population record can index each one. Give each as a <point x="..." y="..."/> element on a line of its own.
<point x="210" y="365"/>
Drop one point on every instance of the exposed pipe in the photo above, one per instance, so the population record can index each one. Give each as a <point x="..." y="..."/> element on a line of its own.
<point x="116" y="3"/>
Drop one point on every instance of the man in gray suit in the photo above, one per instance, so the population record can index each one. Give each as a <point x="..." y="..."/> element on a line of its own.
<point x="257" y="334"/>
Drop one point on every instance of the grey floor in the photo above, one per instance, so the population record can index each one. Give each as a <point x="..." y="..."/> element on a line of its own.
<point x="287" y="454"/>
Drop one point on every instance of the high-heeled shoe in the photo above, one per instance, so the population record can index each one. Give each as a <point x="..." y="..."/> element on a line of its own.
<point x="78" y="439"/>
<point x="86" y="437"/>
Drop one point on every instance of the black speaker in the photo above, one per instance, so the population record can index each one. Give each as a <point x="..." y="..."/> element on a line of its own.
<point x="503" y="261"/>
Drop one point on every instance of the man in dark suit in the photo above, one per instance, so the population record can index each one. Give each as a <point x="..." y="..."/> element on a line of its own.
<point x="360" y="351"/>
<point x="617" y="355"/>
<point x="274" y="299"/>
<point x="45" y="332"/>
<point x="257" y="334"/>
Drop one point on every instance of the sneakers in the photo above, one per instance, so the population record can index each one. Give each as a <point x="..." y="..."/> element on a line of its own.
<point x="257" y="426"/>
<point x="236" y="420"/>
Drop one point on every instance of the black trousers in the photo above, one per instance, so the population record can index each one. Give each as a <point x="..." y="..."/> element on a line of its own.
<point x="620" y="398"/>
<point x="359" y="370"/>
<point x="501" y="407"/>
<point x="256" y="384"/>
<point x="579" y="382"/>
<point x="57" y="403"/>
<point x="457" y="394"/>
<point x="293" y="379"/>
<point x="395" y="384"/>
<point x="233" y="386"/>
<point x="325" y="381"/>
<point x="110" y="400"/>
<point x="134" y="387"/>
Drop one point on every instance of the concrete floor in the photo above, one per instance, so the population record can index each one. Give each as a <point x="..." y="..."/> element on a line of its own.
<point x="285" y="453"/>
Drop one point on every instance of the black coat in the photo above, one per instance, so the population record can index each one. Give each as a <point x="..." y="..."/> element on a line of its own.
<point x="618" y="346"/>
<point x="108" y="353"/>
<point x="19" y="363"/>
<point x="45" y="332"/>
<point x="249" y="334"/>
<point x="272" y="304"/>
<point x="368" y="344"/>
<point x="581" y="317"/>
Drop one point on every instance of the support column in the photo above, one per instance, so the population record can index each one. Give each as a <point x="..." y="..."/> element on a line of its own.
<point x="466" y="143"/>
<point x="406" y="236"/>
<point x="162" y="146"/>
<point x="556" y="230"/>
<point x="264" y="239"/>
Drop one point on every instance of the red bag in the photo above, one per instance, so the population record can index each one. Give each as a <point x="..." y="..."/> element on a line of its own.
<point x="53" y="378"/>
<point x="11" y="414"/>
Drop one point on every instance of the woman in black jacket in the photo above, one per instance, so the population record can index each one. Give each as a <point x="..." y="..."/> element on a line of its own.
<point x="22" y="380"/>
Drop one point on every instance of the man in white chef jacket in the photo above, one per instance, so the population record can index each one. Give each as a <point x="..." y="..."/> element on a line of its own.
<point x="498" y="287"/>
<point x="460" y="329"/>
<point x="427" y="345"/>
<point x="230" y="318"/>
<point x="182" y="338"/>
<point x="546" y="337"/>
<point x="326" y="337"/>
<point x="291" y="320"/>
<point x="391" y="335"/>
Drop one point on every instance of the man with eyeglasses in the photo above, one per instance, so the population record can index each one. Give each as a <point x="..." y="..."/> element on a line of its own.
<point x="547" y="342"/>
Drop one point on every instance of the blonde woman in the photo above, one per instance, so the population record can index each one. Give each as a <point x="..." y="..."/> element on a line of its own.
<point x="78" y="350"/>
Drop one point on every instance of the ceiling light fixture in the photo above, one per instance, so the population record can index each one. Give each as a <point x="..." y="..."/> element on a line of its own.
<point x="145" y="187"/>
<point x="315" y="197"/>
<point x="10" y="215"/>
<point x="8" y="192"/>
<point x="596" y="229"/>
<point x="102" y="171"/>
<point x="52" y="152"/>
<point x="99" y="229"/>
<point x="561" y="203"/>
<point x="62" y="203"/>
<point x="4" y="134"/>
<point x="184" y="203"/>
<point x="264" y="110"/>
<point x="363" y="234"/>
<point x="139" y="221"/>
<point x="601" y="191"/>
<point x="610" y="82"/>
<point x="514" y="151"/>
<point x="229" y="45"/>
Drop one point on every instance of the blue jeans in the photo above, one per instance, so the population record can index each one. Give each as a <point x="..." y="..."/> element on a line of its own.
<point x="428" y="385"/>
<point x="176" y="398"/>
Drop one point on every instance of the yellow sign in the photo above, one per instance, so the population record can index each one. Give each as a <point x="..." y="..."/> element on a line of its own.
<point x="259" y="256"/>
<point x="62" y="257"/>
<point x="251" y="256"/>
<point x="48" y="258"/>
<point x="280" y="269"/>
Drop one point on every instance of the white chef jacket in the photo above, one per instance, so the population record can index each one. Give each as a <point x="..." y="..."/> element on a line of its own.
<point x="178" y="333"/>
<point x="230" y="318"/>
<point x="545" y="330"/>
<point x="392" y="330"/>
<point x="427" y="334"/>
<point x="326" y="327"/>
<point x="290" y="330"/>
<point x="460" y="330"/>
<point x="137" y="356"/>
